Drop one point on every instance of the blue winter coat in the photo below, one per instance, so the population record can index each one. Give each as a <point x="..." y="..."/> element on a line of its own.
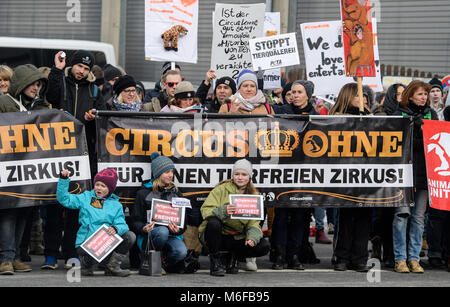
<point x="90" y="217"/>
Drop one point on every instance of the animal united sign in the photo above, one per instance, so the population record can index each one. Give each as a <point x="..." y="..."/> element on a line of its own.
<point x="298" y="161"/>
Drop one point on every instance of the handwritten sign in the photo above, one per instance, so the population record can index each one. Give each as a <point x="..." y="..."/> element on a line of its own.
<point x="272" y="77"/>
<point x="248" y="207"/>
<point x="274" y="51"/>
<point x="162" y="213"/>
<point x="324" y="58"/>
<point x="234" y="25"/>
<point x="160" y="17"/>
<point x="100" y="244"/>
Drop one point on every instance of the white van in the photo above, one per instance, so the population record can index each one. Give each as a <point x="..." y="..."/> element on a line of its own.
<point x="16" y="51"/>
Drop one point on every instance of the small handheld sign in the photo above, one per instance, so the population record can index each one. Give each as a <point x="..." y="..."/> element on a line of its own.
<point x="162" y="213"/>
<point x="248" y="207"/>
<point x="100" y="244"/>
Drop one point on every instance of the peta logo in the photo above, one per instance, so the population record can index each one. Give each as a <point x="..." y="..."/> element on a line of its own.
<point x="440" y="145"/>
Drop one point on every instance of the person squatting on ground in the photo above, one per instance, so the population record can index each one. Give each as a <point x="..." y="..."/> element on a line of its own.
<point x="97" y="207"/>
<point x="167" y="239"/>
<point x="218" y="232"/>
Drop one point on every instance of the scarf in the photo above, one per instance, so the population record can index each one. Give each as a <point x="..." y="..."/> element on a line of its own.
<point x="250" y="104"/>
<point x="135" y="106"/>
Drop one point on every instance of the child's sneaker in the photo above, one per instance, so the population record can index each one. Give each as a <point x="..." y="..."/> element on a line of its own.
<point x="49" y="263"/>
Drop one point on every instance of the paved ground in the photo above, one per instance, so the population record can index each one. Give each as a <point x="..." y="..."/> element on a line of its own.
<point x="318" y="275"/>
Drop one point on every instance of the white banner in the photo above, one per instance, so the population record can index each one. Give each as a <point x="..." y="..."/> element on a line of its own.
<point x="160" y="19"/>
<point x="324" y="58"/>
<point x="234" y="25"/>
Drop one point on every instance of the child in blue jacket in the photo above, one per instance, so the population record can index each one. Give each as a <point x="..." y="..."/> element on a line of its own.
<point x="97" y="207"/>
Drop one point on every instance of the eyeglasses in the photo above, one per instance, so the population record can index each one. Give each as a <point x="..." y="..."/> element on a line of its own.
<point x="171" y="84"/>
<point x="130" y="91"/>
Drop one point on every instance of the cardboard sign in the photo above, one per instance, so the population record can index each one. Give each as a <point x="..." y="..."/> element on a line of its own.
<point x="100" y="244"/>
<point x="436" y="139"/>
<point x="160" y="18"/>
<point x="324" y="58"/>
<point x="249" y="207"/>
<point x="162" y="213"/>
<point x="234" y="25"/>
<point x="272" y="77"/>
<point x="358" y="38"/>
<point x="274" y="51"/>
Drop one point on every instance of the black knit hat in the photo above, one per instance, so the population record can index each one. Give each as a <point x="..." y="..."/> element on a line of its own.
<point x="122" y="83"/>
<point x="167" y="66"/>
<point x="435" y="82"/>
<point x="83" y="57"/>
<point x="227" y="81"/>
<point x="110" y="72"/>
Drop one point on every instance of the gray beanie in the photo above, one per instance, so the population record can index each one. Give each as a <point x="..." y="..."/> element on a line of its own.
<point x="246" y="75"/>
<point x="184" y="89"/>
<point x="243" y="164"/>
<point x="308" y="85"/>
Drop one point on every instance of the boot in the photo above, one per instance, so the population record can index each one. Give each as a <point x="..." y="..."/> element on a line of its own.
<point x="232" y="264"/>
<point x="87" y="265"/>
<point x="279" y="263"/>
<point x="112" y="267"/>
<point x="215" y="268"/>
<point x="321" y="237"/>
<point x="376" y="247"/>
<point x="292" y="259"/>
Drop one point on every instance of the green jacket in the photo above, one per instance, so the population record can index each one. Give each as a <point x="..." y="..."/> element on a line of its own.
<point x="24" y="75"/>
<point x="216" y="205"/>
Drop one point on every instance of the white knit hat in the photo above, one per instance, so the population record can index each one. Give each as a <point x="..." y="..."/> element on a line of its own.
<point x="243" y="165"/>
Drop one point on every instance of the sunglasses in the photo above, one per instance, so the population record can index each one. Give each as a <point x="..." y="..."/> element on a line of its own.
<point x="171" y="84"/>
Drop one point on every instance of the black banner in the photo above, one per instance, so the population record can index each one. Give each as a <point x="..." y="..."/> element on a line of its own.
<point x="312" y="161"/>
<point x="34" y="147"/>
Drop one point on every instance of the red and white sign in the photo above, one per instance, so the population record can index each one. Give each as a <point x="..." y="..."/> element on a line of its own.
<point x="436" y="139"/>
<point x="100" y="244"/>
<point x="248" y="207"/>
<point x="163" y="212"/>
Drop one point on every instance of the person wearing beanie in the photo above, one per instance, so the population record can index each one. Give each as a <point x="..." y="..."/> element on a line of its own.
<point x="140" y="90"/>
<point x="125" y="95"/>
<point x="156" y="91"/>
<point x="184" y="100"/>
<point x="240" y="238"/>
<point x="97" y="207"/>
<point x="224" y="88"/>
<point x="249" y="99"/>
<point x="436" y="94"/>
<point x="166" y="239"/>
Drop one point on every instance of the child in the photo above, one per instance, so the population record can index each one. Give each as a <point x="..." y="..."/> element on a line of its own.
<point x="167" y="239"/>
<point x="97" y="207"/>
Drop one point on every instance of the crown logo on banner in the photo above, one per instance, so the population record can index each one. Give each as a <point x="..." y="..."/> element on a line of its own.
<point x="276" y="142"/>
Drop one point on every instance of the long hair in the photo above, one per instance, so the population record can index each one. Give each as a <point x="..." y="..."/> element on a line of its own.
<point x="249" y="189"/>
<point x="158" y="184"/>
<point x="411" y="89"/>
<point x="345" y="97"/>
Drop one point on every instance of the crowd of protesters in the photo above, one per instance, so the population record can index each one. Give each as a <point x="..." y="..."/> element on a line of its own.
<point x="397" y="236"/>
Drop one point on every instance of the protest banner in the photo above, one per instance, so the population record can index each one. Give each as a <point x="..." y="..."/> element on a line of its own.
<point x="357" y="38"/>
<point x="162" y="213"/>
<point x="234" y="25"/>
<point x="248" y="207"/>
<point x="436" y="139"/>
<point x="171" y="30"/>
<point x="324" y="58"/>
<point x="272" y="77"/>
<point x="298" y="161"/>
<point x="274" y="51"/>
<point x="100" y="244"/>
<point x="35" y="147"/>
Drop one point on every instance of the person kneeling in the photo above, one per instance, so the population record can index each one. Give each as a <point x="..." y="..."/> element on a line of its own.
<point x="97" y="207"/>
<point x="240" y="238"/>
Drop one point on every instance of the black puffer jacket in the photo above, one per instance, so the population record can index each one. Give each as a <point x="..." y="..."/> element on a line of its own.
<point x="143" y="202"/>
<point x="418" y="113"/>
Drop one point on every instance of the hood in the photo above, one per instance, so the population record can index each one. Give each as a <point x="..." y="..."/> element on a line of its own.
<point x="23" y="76"/>
<point x="390" y="103"/>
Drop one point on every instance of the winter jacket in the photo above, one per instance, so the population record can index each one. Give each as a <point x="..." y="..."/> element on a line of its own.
<point x="149" y="95"/>
<point x="143" y="202"/>
<point x="23" y="76"/>
<point x="90" y="217"/>
<point x="211" y="106"/>
<point x="291" y="109"/>
<point x="76" y="97"/>
<point x="216" y="205"/>
<point x="157" y="103"/>
<point x="418" y="114"/>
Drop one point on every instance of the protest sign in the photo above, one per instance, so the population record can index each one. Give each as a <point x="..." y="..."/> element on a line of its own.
<point x="100" y="244"/>
<point x="274" y="51"/>
<point x="35" y="147"/>
<point x="335" y="161"/>
<point x="324" y="58"/>
<point x="272" y="77"/>
<point x="248" y="207"/>
<point x="234" y="25"/>
<point x="357" y="38"/>
<point x="436" y="139"/>
<point x="171" y="30"/>
<point x="162" y="213"/>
